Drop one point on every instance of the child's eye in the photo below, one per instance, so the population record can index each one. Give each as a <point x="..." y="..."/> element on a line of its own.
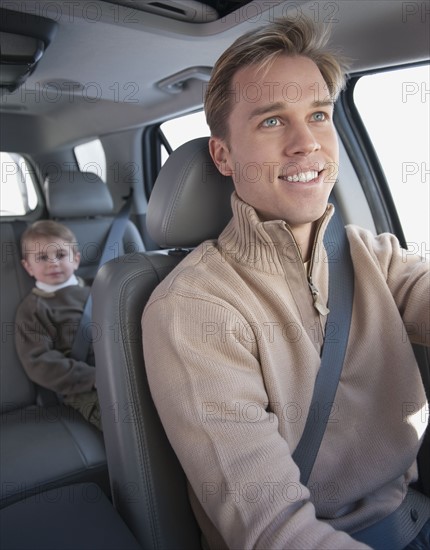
<point x="270" y="122"/>
<point x="43" y="258"/>
<point x="61" y="255"/>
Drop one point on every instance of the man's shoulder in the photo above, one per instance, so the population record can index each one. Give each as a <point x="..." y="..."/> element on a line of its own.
<point x="197" y="273"/>
<point x="372" y="244"/>
<point x="193" y="265"/>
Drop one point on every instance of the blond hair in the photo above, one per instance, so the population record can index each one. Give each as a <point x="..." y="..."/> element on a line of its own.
<point x="45" y="229"/>
<point x="261" y="47"/>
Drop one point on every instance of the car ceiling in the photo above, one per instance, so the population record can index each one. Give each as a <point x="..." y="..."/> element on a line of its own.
<point x="100" y="73"/>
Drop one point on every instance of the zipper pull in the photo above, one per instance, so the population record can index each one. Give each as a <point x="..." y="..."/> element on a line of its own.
<point x="320" y="307"/>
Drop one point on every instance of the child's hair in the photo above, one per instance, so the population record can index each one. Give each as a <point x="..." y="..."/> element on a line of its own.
<point x="46" y="229"/>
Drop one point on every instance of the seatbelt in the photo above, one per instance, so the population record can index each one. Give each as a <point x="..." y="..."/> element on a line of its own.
<point x="81" y="343"/>
<point x="341" y="293"/>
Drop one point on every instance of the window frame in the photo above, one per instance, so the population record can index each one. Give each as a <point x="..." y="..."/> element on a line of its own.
<point x="153" y="139"/>
<point x="365" y="159"/>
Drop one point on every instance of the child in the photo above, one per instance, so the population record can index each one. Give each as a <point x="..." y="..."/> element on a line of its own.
<point x="48" y="318"/>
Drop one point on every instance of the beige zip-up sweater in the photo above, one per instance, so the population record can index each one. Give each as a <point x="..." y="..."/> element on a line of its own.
<point x="232" y="341"/>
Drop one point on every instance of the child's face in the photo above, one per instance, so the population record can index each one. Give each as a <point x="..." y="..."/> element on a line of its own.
<point x="50" y="260"/>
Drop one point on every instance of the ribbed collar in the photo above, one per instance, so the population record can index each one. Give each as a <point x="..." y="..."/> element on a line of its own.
<point x="265" y="246"/>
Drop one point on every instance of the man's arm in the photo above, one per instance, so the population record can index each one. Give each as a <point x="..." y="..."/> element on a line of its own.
<point x="408" y="278"/>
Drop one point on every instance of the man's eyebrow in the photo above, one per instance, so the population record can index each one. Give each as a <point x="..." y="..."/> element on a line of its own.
<point x="323" y="103"/>
<point x="280" y="106"/>
<point x="266" y="109"/>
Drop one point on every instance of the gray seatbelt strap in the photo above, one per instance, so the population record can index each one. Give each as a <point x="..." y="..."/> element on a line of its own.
<point x="81" y="343"/>
<point x="341" y="291"/>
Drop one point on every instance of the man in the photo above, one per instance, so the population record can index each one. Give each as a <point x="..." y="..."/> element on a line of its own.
<point x="232" y="338"/>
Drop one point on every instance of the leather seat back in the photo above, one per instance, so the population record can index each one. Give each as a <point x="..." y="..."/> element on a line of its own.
<point x="147" y="483"/>
<point x="16" y="390"/>
<point x="190" y="203"/>
<point x="82" y="202"/>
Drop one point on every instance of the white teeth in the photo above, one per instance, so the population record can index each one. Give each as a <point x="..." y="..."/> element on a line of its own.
<point x="303" y="176"/>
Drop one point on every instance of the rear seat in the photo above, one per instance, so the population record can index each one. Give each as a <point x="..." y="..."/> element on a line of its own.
<point x="44" y="444"/>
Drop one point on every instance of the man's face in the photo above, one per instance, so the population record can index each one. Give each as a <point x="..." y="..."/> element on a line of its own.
<point x="50" y="261"/>
<point x="282" y="150"/>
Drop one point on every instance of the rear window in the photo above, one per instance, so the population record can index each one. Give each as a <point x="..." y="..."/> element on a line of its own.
<point x="18" y="194"/>
<point x="91" y="157"/>
<point x="182" y="129"/>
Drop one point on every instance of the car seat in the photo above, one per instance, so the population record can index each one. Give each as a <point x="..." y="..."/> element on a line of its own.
<point x="82" y="202"/>
<point x="43" y="444"/>
<point x="190" y="203"/>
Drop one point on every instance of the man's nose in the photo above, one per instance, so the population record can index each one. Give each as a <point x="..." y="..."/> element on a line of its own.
<point x="300" y="140"/>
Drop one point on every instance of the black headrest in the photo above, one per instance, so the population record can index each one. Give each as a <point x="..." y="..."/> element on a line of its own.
<point x="74" y="194"/>
<point x="191" y="200"/>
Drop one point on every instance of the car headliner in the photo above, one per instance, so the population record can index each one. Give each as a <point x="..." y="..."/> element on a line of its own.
<point x="100" y="73"/>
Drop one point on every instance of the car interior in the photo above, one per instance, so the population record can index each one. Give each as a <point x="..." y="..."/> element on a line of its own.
<point x="89" y="94"/>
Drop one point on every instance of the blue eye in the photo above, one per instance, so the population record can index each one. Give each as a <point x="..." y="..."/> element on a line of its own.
<point x="319" y="117"/>
<point x="270" y="122"/>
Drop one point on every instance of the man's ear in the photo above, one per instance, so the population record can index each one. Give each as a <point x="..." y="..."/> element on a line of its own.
<point x="220" y="155"/>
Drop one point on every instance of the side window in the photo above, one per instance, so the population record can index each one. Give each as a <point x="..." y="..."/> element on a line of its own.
<point x="182" y="129"/>
<point x="17" y="190"/>
<point x="395" y="108"/>
<point x="91" y="157"/>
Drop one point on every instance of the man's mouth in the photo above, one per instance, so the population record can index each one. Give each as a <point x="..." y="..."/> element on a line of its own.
<point x="301" y="177"/>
